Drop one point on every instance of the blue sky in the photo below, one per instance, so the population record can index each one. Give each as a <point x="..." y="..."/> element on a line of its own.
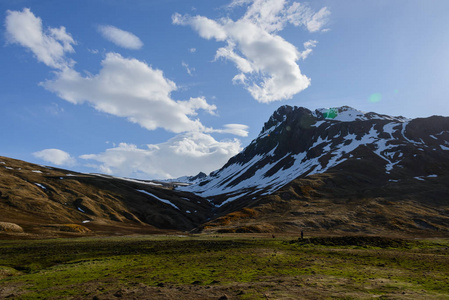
<point x="159" y="89"/>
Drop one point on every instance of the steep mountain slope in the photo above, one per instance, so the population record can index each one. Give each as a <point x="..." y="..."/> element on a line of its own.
<point x="296" y="142"/>
<point x="354" y="198"/>
<point x="339" y="171"/>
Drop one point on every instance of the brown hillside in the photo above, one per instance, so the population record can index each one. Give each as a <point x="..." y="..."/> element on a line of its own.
<point x="43" y="200"/>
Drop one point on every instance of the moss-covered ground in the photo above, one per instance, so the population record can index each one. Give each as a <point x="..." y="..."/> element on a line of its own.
<point x="214" y="266"/>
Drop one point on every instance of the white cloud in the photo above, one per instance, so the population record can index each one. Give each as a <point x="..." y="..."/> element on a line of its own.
<point x="54" y="109"/>
<point x="120" y="37"/>
<point x="235" y="3"/>
<point x="56" y="157"/>
<point x="206" y="28"/>
<point x="49" y="47"/>
<point x="189" y="70"/>
<point x="129" y="88"/>
<point x="308" y="46"/>
<point x="124" y="87"/>
<point x="185" y="154"/>
<point x="273" y="15"/>
<point x="235" y="129"/>
<point x="267" y="62"/>
<point x="318" y="20"/>
<point x="192" y="50"/>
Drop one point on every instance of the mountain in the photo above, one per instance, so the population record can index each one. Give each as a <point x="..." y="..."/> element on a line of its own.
<point x="186" y="180"/>
<point x="334" y="170"/>
<point x="54" y="202"/>
<point x="298" y="142"/>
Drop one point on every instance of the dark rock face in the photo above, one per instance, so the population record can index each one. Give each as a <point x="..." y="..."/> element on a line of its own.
<point x="199" y="176"/>
<point x="296" y="142"/>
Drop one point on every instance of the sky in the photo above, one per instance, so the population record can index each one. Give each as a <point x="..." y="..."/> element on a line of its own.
<point x="157" y="89"/>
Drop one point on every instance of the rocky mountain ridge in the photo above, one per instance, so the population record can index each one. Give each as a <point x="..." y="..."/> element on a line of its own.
<point x="296" y="142"/>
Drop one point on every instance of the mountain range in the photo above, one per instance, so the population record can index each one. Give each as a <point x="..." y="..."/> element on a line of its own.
<point x="333" y="170"/>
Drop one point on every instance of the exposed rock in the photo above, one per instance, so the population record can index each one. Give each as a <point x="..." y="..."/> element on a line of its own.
<point x="10" y="227"/>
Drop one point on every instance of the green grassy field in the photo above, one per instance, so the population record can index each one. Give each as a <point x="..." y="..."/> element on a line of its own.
<point x="235" y="267"/>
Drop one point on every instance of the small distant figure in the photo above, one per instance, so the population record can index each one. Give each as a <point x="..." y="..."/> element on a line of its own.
<point x="273" y="236"/>
<point x="302" y="235"/>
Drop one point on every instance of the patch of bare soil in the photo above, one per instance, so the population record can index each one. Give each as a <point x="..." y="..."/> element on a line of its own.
<point x="306" y="287"/>
<point x="11" y="291"/>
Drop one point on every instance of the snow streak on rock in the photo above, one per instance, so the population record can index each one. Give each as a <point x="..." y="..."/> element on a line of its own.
<point x="156" y="197"/>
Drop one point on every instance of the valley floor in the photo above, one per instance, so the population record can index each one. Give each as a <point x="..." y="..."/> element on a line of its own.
<point x="224" y="267"/>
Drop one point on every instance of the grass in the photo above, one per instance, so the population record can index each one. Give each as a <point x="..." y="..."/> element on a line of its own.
<point x="243" y="267"/>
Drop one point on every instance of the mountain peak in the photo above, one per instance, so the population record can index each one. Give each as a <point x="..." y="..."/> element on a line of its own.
<point x="295" y="114"/>
<point x="297" y="142"/>
<point x="349" y="114"/>
<point x="285" y="113"/>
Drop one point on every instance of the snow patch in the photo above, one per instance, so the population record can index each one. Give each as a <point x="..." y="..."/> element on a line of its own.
<point x="267" y="132"/>
<point x="388" y="128"/>
<point x="318" y="124"/>
<point x="156" y="197"/>
<point x="404" y="125"/>
<point x="350" y="115"/>
<point x="229" y="200"/>
<point x="41" y="186"/>
<point x="36" y="171"/>
<point x="444" y="131"/>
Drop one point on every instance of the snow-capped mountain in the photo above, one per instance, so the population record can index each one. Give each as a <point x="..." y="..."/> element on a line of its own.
<point x="330" y="169"/>
<point x="186" y="180"/>
<point x="298" y="142"/>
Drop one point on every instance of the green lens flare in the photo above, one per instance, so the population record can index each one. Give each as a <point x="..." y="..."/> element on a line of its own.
<point x="330" y="113"/>
<point x="376" y="97"/>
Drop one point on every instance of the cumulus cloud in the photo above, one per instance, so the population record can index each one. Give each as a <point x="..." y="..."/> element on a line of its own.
<point x="206" y="28"/>
<point x="267" y="62"/>
<point x="129" y="88"/>
<point x="124" y="87"/>
<point x="56" y="157"/>
<point x="185" y="154"/>
<point x="120" y="37"/>
<point x="49" y="46"/>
